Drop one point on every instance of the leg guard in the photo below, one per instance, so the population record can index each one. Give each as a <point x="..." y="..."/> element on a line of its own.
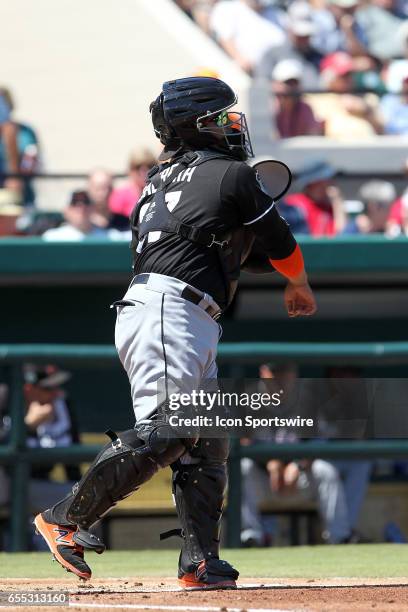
<point x="130" y="460"/>
<point x="199" y="493"/>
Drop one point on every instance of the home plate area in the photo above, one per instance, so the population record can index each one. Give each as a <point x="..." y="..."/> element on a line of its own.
<point x="251" y="596"/>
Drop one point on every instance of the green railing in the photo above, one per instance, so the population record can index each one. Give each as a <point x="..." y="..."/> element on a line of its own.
<point x="338" y="257"/>
<point x="19" y="458"/>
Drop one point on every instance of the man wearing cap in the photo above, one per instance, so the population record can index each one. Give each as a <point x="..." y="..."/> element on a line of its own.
<point x="49" y="422"/>
<point x="298" y="46"/>
<point x="293" y="117"/>
<point x="319" y="200"/>
<point x="346" y="116"/>
<point x="339" y="28"/>
<point x="78" y="225"/>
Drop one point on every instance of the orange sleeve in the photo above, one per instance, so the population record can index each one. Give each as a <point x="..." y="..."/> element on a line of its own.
<point x="290" y="266"/>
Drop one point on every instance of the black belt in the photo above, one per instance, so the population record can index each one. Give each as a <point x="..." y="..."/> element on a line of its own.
<point x="187" y="294"/>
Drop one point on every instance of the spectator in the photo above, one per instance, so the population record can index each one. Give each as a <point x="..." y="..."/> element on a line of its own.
<point x="394" y="106"/>
<point x="294" y="216"/>
<point x="28" y="150"/>
<point x="123" y="199"/>
<point x="341" y="403"/>
<point x="380" y="20"/>
<point x="377" y="197"/>
<point x="293" y="117"/>
<point x="319" y="199"/>
<point x="9" y="158"/>
<point x="339" y="29"/>
<point x="4" y="434"/>
<point x="367" y="75"/>
<point x="78" y="226"/>
<point x="247" y="30"/>
<point x="298" y="46"/>
<point x="339" y="501"/>
<point x="199" y="10"/>
<point x="346" y="116"/>
<point x="10" y="212"/>
<point x="50" y="423"/>
<point x="100" y="186"/>
<point x="397" y="223"/>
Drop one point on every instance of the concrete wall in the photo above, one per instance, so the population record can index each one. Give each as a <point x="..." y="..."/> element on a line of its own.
<point x="84" y="72"/>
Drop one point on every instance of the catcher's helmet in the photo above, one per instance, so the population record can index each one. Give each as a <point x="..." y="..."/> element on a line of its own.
<point x="194" y="111"/>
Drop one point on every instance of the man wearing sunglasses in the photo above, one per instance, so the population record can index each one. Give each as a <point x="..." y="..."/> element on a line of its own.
<point x="203" y="215"/>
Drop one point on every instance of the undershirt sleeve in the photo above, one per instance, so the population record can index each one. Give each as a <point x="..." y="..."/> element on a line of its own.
<point x="257" y="211"/>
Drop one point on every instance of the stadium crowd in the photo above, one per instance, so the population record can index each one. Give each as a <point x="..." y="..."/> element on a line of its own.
<point x="334" y="68"/>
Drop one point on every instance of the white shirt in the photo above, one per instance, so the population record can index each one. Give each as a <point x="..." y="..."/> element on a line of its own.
<point x="72" y="234"/>
<point x="252" y="34"/>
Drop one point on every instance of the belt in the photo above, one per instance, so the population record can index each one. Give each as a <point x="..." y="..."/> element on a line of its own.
<point x="188" y="293"/>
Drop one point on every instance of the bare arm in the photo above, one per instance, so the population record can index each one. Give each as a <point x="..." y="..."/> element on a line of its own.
<point x="9" y="136"/>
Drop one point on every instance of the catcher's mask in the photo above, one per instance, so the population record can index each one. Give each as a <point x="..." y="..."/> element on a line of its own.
<point x="193" y="112"/>
<point x="232" y="126"/>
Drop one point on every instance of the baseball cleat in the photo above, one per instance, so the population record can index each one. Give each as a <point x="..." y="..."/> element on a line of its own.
<point x="61" y="542"/>
<point x="214" y="574"/>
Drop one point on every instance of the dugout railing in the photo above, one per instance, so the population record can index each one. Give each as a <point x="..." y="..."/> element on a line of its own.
<point x="19" y="458"/>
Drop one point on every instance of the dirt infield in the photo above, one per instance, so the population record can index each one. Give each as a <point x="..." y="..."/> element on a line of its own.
<point x="255" y="596"/>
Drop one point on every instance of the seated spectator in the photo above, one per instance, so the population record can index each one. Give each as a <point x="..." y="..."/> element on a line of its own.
<point x="9" y="158"/>
<point x="27" y="148"/>
<point x="394" y="106"/>
<point x="397" y="223"/>
<point x="99" y="189"/>
<point x="294" y="216"/>
<point x="338" y="486"/>
<point x="78" y="221"/>
<point x="339" y="28"/>
<point x="123" y="199"/>
<point x="367" y="74"/>
<point x="319" y="199"/>
<point x="4" y="435"/>
<point x="377" y="197"/>
<point x="300" y="28"/>
<point x="50" y="423"/>
<point x="246" y="30"/>
<point x="380" y="20"/>
<point x="293" y="117"/>
<point x="346" y="116"/>
<point x="10" y="212"/>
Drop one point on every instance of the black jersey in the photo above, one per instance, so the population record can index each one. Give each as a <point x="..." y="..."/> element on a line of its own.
<point x="223" y="196"/>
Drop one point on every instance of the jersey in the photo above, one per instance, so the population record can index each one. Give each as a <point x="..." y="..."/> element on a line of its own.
<point x="223" y="196"/>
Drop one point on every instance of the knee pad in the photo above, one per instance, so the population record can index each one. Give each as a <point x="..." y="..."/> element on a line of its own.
<point x="130" y="460"/>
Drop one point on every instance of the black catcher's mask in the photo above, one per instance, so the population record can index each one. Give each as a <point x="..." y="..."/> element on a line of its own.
<point x="193" y="112"/>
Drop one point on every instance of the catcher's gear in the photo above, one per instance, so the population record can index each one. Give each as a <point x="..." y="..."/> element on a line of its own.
<point x="199" y="492"/>
<point x="274" y="177"/>
<point x="130" y="460"/>
<point x="194" y="111"/>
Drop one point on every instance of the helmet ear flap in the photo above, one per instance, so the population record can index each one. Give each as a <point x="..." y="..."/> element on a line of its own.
<point x="162" y="128"/>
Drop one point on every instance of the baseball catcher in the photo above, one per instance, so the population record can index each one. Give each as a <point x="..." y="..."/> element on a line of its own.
<point x="203" y="216"/>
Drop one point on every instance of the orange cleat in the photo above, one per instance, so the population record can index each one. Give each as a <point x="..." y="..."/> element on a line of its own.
<point x="61" y="542"/>
<point x="209" y="575"/>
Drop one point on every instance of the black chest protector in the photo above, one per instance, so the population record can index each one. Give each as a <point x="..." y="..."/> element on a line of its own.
<point x="158" y="218"/>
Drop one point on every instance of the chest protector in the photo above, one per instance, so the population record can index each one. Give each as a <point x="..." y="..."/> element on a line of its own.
<point x="158" y="218"/>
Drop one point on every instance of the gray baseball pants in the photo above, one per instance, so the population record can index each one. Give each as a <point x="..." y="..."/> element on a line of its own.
<point x="164" y="337"/>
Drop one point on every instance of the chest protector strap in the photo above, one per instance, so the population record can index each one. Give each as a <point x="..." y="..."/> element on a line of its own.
<point x="158" y="218"/>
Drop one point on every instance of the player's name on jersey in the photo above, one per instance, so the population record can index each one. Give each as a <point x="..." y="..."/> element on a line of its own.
<point x="236" y="422"/>
<point x="183" y="176"/>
